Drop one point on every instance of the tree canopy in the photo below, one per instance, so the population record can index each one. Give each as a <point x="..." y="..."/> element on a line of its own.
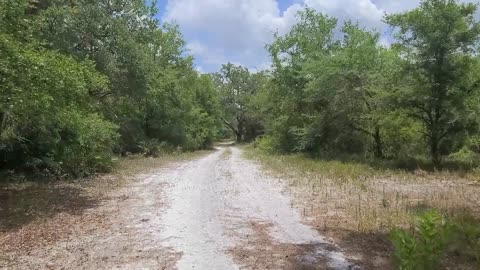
<point x="335" y="90"/>
<point x="83" y="80"/>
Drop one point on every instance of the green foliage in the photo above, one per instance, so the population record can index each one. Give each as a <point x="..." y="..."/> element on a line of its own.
<point x="87" y="144"/>
<point x="66" y="64"/>
<point x="422" y="250"/>
<point x="267" y="144"/>
<point x="336" y="95"/>
<point x="437" y="41"/>
<point x="465" y="155"/>
<point x="238" y="88"/>
<point x="465" y="237"/>
<point x="331" y="93"/>
<point x="293" y="115"/>
<point x="433" y="237"/>
<point x="48" y="118"/>
<point x="85" y="79"/>
<point x="13" y="18"/>
<point x="153" y="148"/>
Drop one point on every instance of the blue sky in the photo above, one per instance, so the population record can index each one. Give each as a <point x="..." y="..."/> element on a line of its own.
<point x="221" y="31"/>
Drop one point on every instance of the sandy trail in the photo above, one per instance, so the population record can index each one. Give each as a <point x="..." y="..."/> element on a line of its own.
<point x="217" y="212"/>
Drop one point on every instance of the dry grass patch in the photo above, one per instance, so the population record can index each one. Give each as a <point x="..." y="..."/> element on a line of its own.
<point x="357" y="205"/>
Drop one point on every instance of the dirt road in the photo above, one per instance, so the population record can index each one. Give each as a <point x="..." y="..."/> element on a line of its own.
<point x="217" y="212"/>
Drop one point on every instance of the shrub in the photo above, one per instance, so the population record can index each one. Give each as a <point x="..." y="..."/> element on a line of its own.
<point x="154" y="148"/>
<point x="465" y="239"/>
<point x="423" y="249"/>
<point x="432" y="237"/>
<point x="49" y="120"/>
<point x="267" y="144"/>
<point x="466" y="157"/>
<point x="89" y="147"/>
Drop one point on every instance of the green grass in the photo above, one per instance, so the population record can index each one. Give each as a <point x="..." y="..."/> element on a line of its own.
<point x="298" y="165"/>
<point x="353" y="170"/>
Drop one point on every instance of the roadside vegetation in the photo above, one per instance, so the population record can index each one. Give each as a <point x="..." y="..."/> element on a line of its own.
<point x="375" y="213"/>
<point x="85" y="81"/>
<point x="336" y="92"/>
<point x="377" y="135"/>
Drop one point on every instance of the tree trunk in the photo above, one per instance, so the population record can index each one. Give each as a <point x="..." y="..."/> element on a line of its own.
<point x="240" y="132"/>
<point x="3" y="121"/>
<point x="378" y="143"/>
<point x="435" y="151"/>
<point x="377" y="137"/>
<point x="146" y="124"/>
<point x="237" y="132"/>
<point x="238" y="137"/>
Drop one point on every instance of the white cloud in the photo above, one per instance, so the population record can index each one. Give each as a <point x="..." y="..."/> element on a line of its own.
<point x="195" y="47"/>
<point x="363" y="11"/>
<point x="199" y="69"/>
<point x="220" y="31"/>
<point x="393" y="6"/>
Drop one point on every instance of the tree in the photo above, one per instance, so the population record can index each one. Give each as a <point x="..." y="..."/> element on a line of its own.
<point x="237" y="86"/>
<point x="292" y="118"/>
<point x="49" y="120"/>
<point x="81" y="80"/>
<point x="350" y="83"/>
<point x="150" y="98"/>
<point x="437" y="44"/>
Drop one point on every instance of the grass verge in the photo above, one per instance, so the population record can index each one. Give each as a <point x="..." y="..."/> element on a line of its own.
<point x="358" y="205"/>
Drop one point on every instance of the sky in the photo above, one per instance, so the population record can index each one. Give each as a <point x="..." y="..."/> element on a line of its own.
<point x="236" y="31"/>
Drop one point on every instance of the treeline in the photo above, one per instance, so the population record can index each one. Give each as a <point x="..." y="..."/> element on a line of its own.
<point x="335" y="90"/>
<point x="83" y="80"/>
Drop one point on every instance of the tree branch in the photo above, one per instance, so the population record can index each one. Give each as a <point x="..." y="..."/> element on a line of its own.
<point x="230" y="126"/>
<point x="362" y="130"/>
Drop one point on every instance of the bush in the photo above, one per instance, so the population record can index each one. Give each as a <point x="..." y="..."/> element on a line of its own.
<point x="154" y="148"/>
<point x="423" y="249"/>
<point x="465" y="156"/>
<point x="465" y="239"/>
<point x="89" y="149"/>
<point x="49" y="120"/>
<point x="267" y="144"/>
<point x="433" y="237"/>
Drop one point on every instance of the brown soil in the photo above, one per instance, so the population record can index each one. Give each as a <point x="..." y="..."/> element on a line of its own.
<point x="260" y="251"/>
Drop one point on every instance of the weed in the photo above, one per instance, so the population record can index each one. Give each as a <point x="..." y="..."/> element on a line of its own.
<point x="423" y="249"/>
<point x="465" y="238"/>
<point x="432" y="237"/>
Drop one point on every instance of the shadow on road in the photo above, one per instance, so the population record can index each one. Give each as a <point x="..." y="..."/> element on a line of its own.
<point x="23" y="203"/>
